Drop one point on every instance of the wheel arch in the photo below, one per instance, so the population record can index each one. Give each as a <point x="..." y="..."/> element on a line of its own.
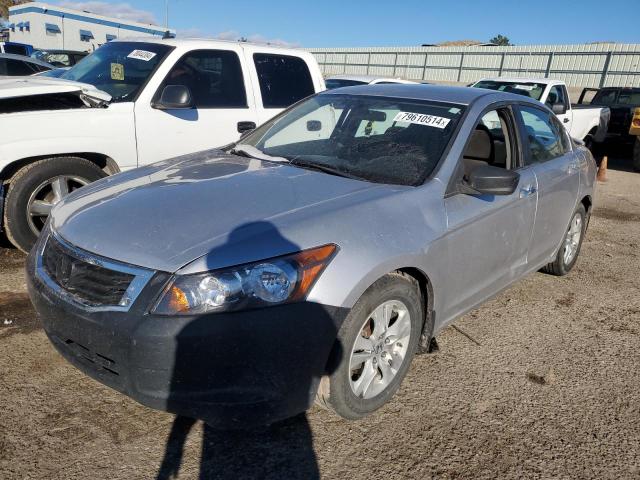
<point x="426" y="292"/>
<point x="103" y="161"/>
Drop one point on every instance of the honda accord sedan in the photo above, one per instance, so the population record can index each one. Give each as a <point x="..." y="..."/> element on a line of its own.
<point x="312" y="260"/>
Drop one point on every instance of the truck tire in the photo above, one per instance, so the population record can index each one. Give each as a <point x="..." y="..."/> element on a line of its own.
<point x="360" y="383"/>
<point x="636" y="155"/>
<point x="36" y="188"/>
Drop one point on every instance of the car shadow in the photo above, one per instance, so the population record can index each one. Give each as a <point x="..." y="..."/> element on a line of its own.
<point x="252" y="369"/>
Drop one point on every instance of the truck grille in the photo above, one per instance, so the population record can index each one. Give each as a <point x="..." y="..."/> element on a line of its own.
<point x="91" y="283"/>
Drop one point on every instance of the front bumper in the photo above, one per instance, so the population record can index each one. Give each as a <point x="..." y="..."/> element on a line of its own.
<point x="234" y="369"/>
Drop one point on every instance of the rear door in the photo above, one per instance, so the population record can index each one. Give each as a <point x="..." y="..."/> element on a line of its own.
<point x="549" y="153"/>
<point x="222" y="95"/>
<point x="279" y="80"/>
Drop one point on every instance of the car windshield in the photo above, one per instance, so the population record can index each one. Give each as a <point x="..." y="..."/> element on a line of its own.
<point x="381" y="140"/>
<point x="119" y="68"/>
<point x="332" y="83"/>
<point x="527" y="89"/>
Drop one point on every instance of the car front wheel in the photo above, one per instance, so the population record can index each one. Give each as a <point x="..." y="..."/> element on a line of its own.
<point x="36" y="188"/>
<point x="377" y="342"/>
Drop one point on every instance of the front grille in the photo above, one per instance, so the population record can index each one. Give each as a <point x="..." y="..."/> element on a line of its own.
<point x="91" y="283"/>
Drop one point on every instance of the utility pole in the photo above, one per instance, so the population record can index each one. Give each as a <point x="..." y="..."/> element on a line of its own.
<point x="166" y="14"/>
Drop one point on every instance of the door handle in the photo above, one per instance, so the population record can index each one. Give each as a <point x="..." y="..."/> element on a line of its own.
<point x="528" y="191"/>
<point x="246" y="126"/>
<point x="566" y="120"/>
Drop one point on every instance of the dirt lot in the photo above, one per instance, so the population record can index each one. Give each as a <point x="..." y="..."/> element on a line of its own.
<point x="542" y="382"/>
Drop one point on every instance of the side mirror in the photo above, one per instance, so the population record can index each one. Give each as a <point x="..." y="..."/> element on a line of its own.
<point x="314" y="126"/>
<point x="491" y="180"/>
<point x="558" y="108"/>
<point x="174" y="97"/>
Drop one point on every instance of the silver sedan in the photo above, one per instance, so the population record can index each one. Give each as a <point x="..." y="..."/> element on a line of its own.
<point x="314" y="258"/>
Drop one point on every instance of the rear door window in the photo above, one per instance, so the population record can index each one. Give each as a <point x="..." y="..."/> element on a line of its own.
<point x="214" y="78"/>
<point x="283" y="79"/>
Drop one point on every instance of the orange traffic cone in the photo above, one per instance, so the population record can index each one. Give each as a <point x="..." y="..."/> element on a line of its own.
<point x="602" y="171"/>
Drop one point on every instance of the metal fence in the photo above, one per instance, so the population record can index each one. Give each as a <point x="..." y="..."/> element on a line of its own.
<point x="593" y="65"/>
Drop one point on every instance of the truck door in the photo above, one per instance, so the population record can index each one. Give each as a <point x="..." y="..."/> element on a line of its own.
<point x="223" y="107"/>
<point x="279" y="80"/>
<point x="557" y="169"/>
<point x="558" y="95"/>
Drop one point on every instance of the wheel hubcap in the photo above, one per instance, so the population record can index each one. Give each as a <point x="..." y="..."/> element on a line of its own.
<point x="379" y="349"/>
<point x="572" y="240"/>
<point x="48" y="195"/>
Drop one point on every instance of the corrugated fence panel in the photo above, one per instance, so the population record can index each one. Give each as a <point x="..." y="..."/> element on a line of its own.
<point x="591" y="65"/>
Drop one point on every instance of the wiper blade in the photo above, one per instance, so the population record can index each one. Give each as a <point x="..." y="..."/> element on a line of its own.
<point x="250" y="151"/>
<point x="324" y="168"/>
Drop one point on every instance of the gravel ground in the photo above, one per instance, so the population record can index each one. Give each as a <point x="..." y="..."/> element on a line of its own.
<point x="541" y="382"/>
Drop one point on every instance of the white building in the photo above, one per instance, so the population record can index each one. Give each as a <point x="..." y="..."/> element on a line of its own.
<point x="52" y="27"/>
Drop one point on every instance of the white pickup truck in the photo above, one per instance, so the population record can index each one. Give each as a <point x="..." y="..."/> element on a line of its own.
<point x="585" y="123"/>
<point x="131" y="103"/>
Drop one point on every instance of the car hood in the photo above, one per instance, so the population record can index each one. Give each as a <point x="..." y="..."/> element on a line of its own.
<point x="168" y="214"/>
<point x="12" y="87"/>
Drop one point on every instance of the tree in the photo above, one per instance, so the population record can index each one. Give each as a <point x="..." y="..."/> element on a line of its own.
<point x="5" y="4"/>
<point x="501" y="41"/>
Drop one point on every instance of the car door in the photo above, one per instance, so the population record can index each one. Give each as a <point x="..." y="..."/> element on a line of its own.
<point x="549" y="152"/>
<point x="558" y="95"/>
<point x="488" y="236"/>
<point x="223" y="107"/>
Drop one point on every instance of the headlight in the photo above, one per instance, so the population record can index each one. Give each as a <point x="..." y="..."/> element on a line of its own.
<point x="269" y="282"/>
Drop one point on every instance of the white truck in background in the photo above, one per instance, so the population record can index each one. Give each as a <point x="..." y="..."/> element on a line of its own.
<point x="583" y="122"/>
<point x="129" y="104"/>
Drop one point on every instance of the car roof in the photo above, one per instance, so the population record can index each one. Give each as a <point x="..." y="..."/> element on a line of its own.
<point x="435" y="93"/>
<point x="520" y="79"/>
<point x="22" y="58"/>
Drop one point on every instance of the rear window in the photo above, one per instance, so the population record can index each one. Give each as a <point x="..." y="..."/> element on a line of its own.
<point x="526" y="89"/>
<point x="340" y="82"/>
<point x="629" y="97"/>
<point x="16" y="49"/>
<point x="283" y="79"/>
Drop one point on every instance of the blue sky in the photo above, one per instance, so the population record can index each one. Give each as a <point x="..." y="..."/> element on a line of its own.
<point x="347" y="23"/>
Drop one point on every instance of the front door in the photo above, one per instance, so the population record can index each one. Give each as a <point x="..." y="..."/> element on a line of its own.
<point x="548" y="152"/>
<point x="222" y="107"/>
<point x="488" y="236"/>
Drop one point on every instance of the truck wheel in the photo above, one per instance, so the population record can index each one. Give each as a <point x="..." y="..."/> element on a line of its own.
<point x="636" y="155"/>
<point x="36" y="188"/>
<point x="568" y="253"/>
<point x="377" y="342"/>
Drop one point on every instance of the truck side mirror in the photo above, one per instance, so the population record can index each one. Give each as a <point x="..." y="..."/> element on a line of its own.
<point x="174" y="97"/>
<point x="558" y="108"/>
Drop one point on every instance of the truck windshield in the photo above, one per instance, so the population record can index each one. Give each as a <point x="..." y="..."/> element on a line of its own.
<point x="527" y="89"/>
<point x="119" y="68"/>
<point x="382" y="140"/>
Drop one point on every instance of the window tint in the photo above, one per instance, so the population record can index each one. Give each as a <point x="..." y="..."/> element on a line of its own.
<point x="16" y="49"/>
<point x="544" y="134"/>
<point x="283" y="79"/>
<point x="16" y="67"/>
<point x="213" y="76"/>
<point x="629" y="97"/>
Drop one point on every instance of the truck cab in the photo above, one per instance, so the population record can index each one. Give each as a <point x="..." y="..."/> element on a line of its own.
<point x="132" y="103"/>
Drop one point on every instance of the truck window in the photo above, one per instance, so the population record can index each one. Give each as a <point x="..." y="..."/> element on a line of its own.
<point x="545" y="137"/>
<point x="283" y="79"/>
<point x="213" y="76"/>
<point x="557" y="94"/>
<point x="629" y="97"/>
<point x="605" y="97"/>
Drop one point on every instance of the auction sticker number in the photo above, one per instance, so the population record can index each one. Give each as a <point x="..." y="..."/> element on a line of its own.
<point x="422" y="119"/>
<point x="141" y="55"/>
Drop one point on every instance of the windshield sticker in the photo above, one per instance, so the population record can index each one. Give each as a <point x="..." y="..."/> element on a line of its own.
<point x="454" y="110"/>
<point x="528" y="88"/>
<point x="141" y="55"/>
<point x="422" y="119"/>
<point x="117" y="71"/>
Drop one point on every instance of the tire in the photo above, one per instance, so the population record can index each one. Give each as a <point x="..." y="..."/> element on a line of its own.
<point x="401" y="295"/>
<point x="561" y="265"/>
<point x="636" y="155"/>
<point x="30" y="182"/>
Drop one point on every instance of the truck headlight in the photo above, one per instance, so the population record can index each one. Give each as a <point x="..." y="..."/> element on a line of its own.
<point x="270" y="282"/>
